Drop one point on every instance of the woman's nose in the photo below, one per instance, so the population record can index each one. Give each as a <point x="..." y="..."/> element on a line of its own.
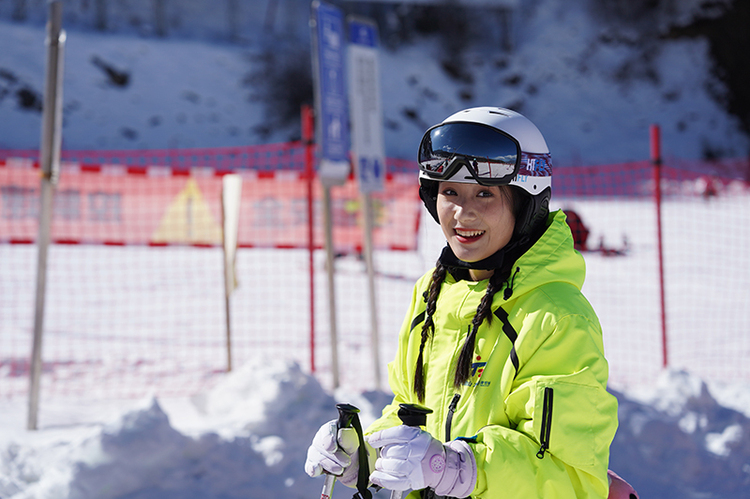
<point x="465" y="211"/>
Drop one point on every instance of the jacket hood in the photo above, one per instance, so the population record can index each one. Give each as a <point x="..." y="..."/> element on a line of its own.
<point x="551" y="259"/>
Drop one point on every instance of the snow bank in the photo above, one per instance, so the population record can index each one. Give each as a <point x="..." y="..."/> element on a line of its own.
<point x="248" y="437"/>
<point x="262" y="415"/>
<point x="676" y="440"/>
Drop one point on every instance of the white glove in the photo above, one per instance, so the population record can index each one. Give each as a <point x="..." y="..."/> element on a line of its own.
<point x="411" y="458"/>
<point x="336" y="452"/>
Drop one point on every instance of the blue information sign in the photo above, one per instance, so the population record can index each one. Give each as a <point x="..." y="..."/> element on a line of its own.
<point x="331" y="95"/>
<point x="363" y="33"/>
<point x="368" y="150"/>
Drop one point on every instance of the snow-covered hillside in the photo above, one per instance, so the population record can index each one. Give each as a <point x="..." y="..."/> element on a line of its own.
<point x="593" y="87"/>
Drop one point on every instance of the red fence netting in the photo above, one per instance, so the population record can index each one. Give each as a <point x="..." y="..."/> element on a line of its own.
<point x="135" y="295"/>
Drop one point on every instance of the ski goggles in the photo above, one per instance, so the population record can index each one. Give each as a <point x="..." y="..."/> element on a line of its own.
<point x="492" y="157"/>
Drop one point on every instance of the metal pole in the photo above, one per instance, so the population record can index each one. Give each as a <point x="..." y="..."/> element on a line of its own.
<point x="374" y="336"/>
<point x="331" y="286"/>
<point x="50" y="166"/>
<point x="657" y="162"/>
<point x="308" y="132"/>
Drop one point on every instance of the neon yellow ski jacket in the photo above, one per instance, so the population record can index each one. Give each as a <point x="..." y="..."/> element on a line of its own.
<point x="536" y="411"/>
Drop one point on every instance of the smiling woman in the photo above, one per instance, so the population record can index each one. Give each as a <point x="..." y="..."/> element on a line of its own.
<point x="516" y="380"/>
<point x="477" y="221"/>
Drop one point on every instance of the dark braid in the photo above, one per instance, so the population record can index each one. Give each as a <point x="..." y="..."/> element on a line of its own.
<point x="438" y="276"/>
<point x="484" y="311"/>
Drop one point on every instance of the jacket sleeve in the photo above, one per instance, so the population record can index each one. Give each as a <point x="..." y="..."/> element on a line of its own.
<point x="562" y="420"/>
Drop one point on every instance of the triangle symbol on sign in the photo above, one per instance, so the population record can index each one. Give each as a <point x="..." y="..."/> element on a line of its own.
<point x="188" y="219"/>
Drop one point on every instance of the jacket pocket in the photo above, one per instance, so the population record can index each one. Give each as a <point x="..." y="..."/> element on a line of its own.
<point x="572" y="419"/>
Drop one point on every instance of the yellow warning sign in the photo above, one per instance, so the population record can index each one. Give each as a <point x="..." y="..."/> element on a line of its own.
<point x="188" y="219"/>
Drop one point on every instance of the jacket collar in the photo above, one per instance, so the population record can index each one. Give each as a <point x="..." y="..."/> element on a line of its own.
<point x="524" y="264"/>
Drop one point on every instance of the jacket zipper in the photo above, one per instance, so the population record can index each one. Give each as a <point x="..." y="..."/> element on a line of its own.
<point x="451" y="410"/>
<point x="546" y="422"/>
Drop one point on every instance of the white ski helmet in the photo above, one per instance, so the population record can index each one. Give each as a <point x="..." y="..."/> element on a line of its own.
<point x="489" y="146"/>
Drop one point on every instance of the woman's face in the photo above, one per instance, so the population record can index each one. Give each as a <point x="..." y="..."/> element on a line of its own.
<point x="476" y="220"/>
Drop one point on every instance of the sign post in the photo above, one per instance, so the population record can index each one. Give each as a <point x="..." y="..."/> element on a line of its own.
<point x="368" y="150"/>
<point x="332" y="131"/>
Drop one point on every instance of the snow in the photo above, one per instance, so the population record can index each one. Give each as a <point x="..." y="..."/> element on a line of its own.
<point x="680" y="435"/>
<point x="247" y="437"/>
<point x="246" y="434"/>
<point x="240" y="439"/>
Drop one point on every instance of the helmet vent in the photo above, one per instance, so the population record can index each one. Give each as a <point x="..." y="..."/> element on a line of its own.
<point x="498" y="112"/>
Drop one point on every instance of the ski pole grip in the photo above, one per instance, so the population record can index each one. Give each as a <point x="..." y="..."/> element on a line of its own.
<point x="346" y="414"/>
<point x="413" y="414"/>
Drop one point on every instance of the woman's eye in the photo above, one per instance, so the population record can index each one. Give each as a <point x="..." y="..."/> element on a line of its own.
<point x="484" y="194"/>
<point x="447" y="192"/>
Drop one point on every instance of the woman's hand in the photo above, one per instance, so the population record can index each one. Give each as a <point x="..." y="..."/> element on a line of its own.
<point x="334" y="451"/>
<point x="411" y="458"/>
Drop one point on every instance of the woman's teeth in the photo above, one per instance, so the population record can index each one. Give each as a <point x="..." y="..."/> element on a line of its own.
<point x="469" y="233"/>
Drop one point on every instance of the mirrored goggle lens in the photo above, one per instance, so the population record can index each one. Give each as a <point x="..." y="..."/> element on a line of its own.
<point x="491" y="154"/>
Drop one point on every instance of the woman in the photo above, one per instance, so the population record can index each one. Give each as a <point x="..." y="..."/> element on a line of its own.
<point x="499" y="341"/>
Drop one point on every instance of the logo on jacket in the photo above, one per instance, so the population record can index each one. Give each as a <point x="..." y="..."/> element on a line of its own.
<point x="477" y="368"/>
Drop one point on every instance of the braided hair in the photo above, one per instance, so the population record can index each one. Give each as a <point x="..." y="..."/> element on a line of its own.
<point x="484" y="311"/>
<point x="428" y="327"/>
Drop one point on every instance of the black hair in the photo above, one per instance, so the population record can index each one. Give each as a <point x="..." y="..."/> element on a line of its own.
<point x="484" y="311"/>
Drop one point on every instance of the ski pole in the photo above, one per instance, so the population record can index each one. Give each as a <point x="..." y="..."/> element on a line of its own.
<point x="346" y="414"/>
<point x="411" y="415"/>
